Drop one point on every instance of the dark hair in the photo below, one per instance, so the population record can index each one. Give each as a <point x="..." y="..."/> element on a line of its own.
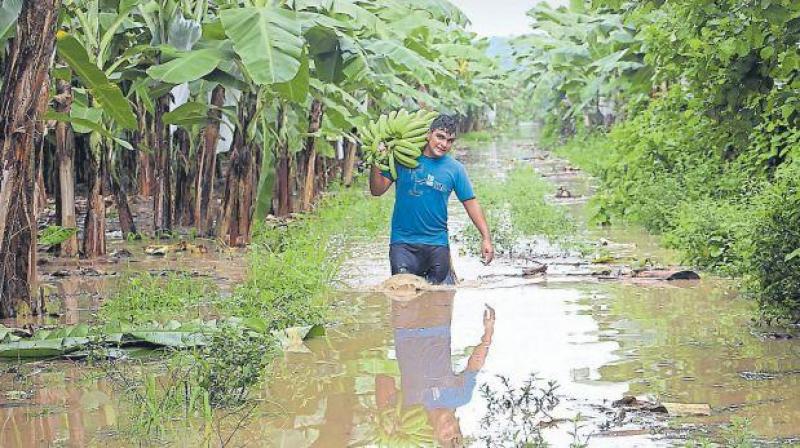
<point x="446" y="123"/>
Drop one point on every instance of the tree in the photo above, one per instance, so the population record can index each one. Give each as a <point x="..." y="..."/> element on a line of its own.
<point x="26" y="70"/>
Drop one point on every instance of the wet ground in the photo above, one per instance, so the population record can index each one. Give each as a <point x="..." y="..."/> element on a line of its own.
<point x="416" y="368"/>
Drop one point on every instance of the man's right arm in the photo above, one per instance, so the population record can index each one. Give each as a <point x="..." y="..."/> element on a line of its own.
<point x="378" y="183"/>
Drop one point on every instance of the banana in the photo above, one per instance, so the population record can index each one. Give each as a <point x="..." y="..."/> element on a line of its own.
<point x="430" y="116"/>
<point x="373" y="130"/>
<point x="407" y="155"/>
<point x="401" y="123"/>
<point x="418" y="142"/>
<point x="413" y="124"/>
<point x="392" y="167"/>
<point x="382" y="126"/>
<point x="405" y="144"/>
<point x="416" y="133"/>
<point x="405" y="160"/>
<point x="366" y="135"/>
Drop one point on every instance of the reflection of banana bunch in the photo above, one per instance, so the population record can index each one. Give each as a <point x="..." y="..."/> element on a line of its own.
<point x="396" y="427"/>
<point x="403" y="134"/>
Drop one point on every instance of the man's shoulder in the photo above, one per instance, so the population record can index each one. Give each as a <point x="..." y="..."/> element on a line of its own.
<point x="452" y="164"/>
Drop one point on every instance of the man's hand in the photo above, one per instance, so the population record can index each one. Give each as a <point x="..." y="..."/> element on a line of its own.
<point x="487" y="251"/>
<point x="378" y="184"/>
<point x="488" y="324"/>
<point x="476" y="215"/>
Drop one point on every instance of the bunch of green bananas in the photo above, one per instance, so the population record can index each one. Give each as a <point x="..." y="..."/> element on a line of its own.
<point x="403" y="135"/>
<point x="398" y="427"/>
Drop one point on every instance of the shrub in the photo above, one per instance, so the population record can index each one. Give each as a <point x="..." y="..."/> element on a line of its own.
<point x="774" y="264"/>
<point x="712" y="235"/>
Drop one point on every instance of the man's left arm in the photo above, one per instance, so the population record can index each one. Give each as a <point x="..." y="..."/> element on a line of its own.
<point x="465" y="193"/>
<point x="475" y="213"/>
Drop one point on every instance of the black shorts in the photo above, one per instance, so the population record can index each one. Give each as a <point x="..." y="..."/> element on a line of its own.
<point x="429" y="262"/>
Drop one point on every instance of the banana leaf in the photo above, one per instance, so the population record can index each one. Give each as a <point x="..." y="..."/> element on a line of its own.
<point x="9" y="12"/>
<point x="107" y="94"/>
<point x="267" y="40"/>
<point x="189" y="66"/>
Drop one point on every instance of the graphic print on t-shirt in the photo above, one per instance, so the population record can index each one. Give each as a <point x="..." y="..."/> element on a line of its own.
<point x="420" y="177"/>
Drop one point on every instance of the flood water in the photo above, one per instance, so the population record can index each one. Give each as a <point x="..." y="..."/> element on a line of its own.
<point x="411" y="370"/>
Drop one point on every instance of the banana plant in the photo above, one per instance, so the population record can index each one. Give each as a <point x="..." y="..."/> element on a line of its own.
<point x="9" y="12"/>
<point x="584" y="58"/>
<point x="92" y="39"/>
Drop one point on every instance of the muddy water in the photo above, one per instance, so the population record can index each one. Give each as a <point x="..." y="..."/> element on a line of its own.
<point x="412" y="368"/>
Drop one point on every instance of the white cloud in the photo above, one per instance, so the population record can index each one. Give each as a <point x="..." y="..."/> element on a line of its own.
<point x="500" y="17"/>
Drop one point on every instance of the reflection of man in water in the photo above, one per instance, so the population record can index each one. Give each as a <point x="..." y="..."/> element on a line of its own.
<point x="422" y="344"/>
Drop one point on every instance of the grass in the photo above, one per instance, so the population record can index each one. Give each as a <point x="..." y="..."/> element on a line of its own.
<point x="516" y="209"/>
<point x="293" y="268"/>
<point x="476" y="137"/>
<point x="144" y="297"/>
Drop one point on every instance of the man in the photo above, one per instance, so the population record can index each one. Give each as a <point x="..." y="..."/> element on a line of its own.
<point x="419" y="241"/>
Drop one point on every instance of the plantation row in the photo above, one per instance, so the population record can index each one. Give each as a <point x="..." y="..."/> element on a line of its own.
<point x="688" y="112"/>
<point x="220" y="111"/>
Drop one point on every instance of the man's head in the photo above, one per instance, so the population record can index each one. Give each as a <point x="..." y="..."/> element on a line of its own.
<point x="446" y="428"/>
<point x="441" y="136"/>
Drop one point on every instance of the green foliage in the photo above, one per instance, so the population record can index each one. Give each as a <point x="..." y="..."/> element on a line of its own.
<point x="143" y="297"/>
<point x="673" y="171"/>
<point x="197" y="389"/>
<point x="703" y="159"/>
<point x="577" y="62"/>
<point x="230" y="363"/>
<point x="293" y="266"/>
<point x="516" y="209"/>
<point x="54" y="235"/>
<point x="475" y="137"/>
<point x="712" y="235"/>
<point x="107" y="93"/>
<point x="774" y="264"/>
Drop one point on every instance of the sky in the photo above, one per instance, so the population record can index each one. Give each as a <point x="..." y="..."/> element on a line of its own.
<point x="499" y="17"/>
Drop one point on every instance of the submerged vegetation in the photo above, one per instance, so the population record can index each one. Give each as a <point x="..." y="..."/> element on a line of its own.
<point x="293" y="266"/>
<point x="516" y="209"/>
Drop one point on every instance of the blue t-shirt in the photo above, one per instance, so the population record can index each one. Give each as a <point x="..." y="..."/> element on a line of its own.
<point x="421" y="195"/>
<point x="426" y="372"/>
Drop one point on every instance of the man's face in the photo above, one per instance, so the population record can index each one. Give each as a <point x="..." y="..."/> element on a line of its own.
<point x="440" y="142"/>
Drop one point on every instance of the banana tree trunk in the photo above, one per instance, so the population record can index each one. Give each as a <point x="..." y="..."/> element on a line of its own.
<point x="314" y="124"/>
<point x="349" y="162"/>
<point x="282" y="171"/>
<point x="40" y="193"/>
<point x="162" y="199"/>
<point x="65" y="155"/>
<point x="126" y="222"/>
<point x="207" y="165"/>
<point x="94" y="229"/>
<point x="184" y="171"/>
<point x="237" y="204"/>
<point x="26" y="67"/>
<point x="145" y="160"/>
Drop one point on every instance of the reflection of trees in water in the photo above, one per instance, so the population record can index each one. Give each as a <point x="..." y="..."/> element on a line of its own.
<point x="66" y="409"/>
